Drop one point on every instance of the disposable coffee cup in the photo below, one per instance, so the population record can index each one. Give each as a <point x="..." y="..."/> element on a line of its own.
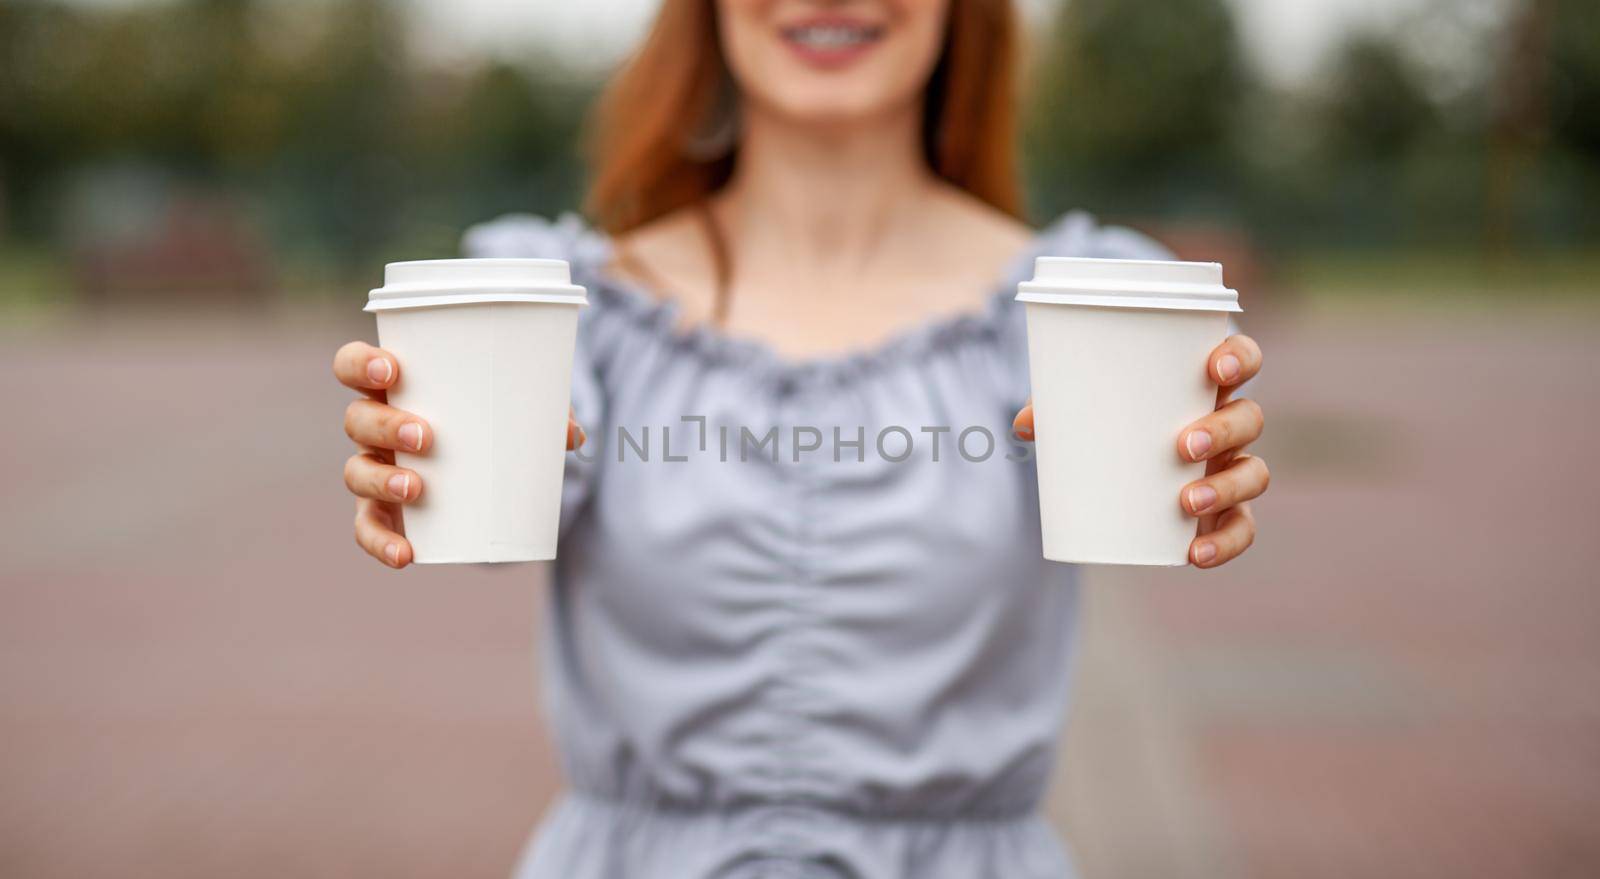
<point x="1117" y="352"/>
<point x="485" y="349"/>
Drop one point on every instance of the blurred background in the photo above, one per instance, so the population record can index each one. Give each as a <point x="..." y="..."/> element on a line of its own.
<point x="200" y="675"/>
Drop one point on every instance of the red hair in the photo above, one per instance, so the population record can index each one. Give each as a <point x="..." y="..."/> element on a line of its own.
<point x="638" y="131"/>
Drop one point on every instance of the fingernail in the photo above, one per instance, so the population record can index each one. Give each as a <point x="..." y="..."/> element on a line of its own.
<point x="1024" y="434"/>
<point x="379" y="370"/>
<point x="1198" y="443"/>
<point x="581" y="436"/>
<point x="411" y="435"/>
<point x="1201" y="497"/>
<point x="1228" y="367"/>
<point x="1204" y="553"/>
<point x="392" y="553"/>
<point x="400" y="485"/>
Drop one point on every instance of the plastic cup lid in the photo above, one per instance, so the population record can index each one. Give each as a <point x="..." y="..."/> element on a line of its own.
<point x="1128" y="283"/>
<point x="435" y="282"/>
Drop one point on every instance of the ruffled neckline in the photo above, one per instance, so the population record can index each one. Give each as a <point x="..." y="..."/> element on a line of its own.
<point x="590" y="253"/>
<point x="662" y="315"/>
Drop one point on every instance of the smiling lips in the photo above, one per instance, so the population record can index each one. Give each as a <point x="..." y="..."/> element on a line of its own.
<point x="832" y="43"/>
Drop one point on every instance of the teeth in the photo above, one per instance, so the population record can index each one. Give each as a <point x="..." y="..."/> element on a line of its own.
<point x="834" y="37"/>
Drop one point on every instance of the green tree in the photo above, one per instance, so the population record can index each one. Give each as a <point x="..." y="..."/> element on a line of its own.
<point x="1375" y="105"/>
<point x="1136" y="103"/>
<point x="1574" y="71"/>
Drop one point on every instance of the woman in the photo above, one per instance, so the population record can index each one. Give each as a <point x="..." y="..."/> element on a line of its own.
<point x="829" y="665"/>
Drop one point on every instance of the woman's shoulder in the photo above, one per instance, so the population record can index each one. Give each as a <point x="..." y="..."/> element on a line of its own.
<point x="1078" y="233"/>
<point x="669" y="255"/>
<point x="669" y="247"/>
<point x="530" y="236"/>
<point x="984" y="235"/>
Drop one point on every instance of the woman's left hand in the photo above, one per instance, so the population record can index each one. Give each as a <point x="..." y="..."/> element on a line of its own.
<point x="1220" y="500"/>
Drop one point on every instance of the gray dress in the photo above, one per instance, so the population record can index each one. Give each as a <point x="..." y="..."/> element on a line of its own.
<point x="802" y="654"/>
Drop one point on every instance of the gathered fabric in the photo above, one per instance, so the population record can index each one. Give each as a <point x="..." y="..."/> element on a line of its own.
<point x="800" y="624"/>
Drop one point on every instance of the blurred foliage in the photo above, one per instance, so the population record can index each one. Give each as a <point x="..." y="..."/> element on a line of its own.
<point x="1137" y="104"/>
<point x="1376" y="108"/>
<point x="315" y="116"/>
<point x="1471" y="125"/>
<point x="1574" y="32"/>
<point x="1468" y="126"/>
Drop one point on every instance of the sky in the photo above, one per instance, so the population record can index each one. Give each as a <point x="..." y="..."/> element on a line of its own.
<point x="1285" y="37"/>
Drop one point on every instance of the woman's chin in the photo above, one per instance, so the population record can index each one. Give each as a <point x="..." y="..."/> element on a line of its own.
<point x="831" y="109"/>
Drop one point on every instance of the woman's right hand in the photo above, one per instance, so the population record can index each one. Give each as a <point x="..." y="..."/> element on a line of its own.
<point x="379" y="430"/>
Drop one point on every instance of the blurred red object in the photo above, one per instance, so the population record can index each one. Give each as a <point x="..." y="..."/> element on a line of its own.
<point x="202" y="250"/>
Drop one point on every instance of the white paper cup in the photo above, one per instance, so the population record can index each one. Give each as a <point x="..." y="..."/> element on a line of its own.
<point x="1117" y="354"/>
<point x="485" y="349"/>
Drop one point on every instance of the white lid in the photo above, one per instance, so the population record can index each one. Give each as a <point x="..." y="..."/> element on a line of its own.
<point x="1129" y="283"/>
<point x="431" y="282"/>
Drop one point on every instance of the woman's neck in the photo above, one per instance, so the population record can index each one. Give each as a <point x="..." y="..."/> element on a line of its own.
<point x="824" y="195"/>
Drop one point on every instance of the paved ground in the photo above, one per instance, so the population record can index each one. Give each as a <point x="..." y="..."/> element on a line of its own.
<point x="207" y="679"/>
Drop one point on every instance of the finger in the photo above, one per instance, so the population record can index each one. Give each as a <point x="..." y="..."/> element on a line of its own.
<point x="1233" y="426"/>
<point x="1022" y="425"/>
<point x="1235" y="531"/>
<point x="375" y="533"/>
<point x="1235" y="361"/>
<point x="366" y="476"/>
<point x="575" y="434"/>
<point x="371" y="423"/>
<point x="1245" y="478"/>
<point x="362" y="367"/>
